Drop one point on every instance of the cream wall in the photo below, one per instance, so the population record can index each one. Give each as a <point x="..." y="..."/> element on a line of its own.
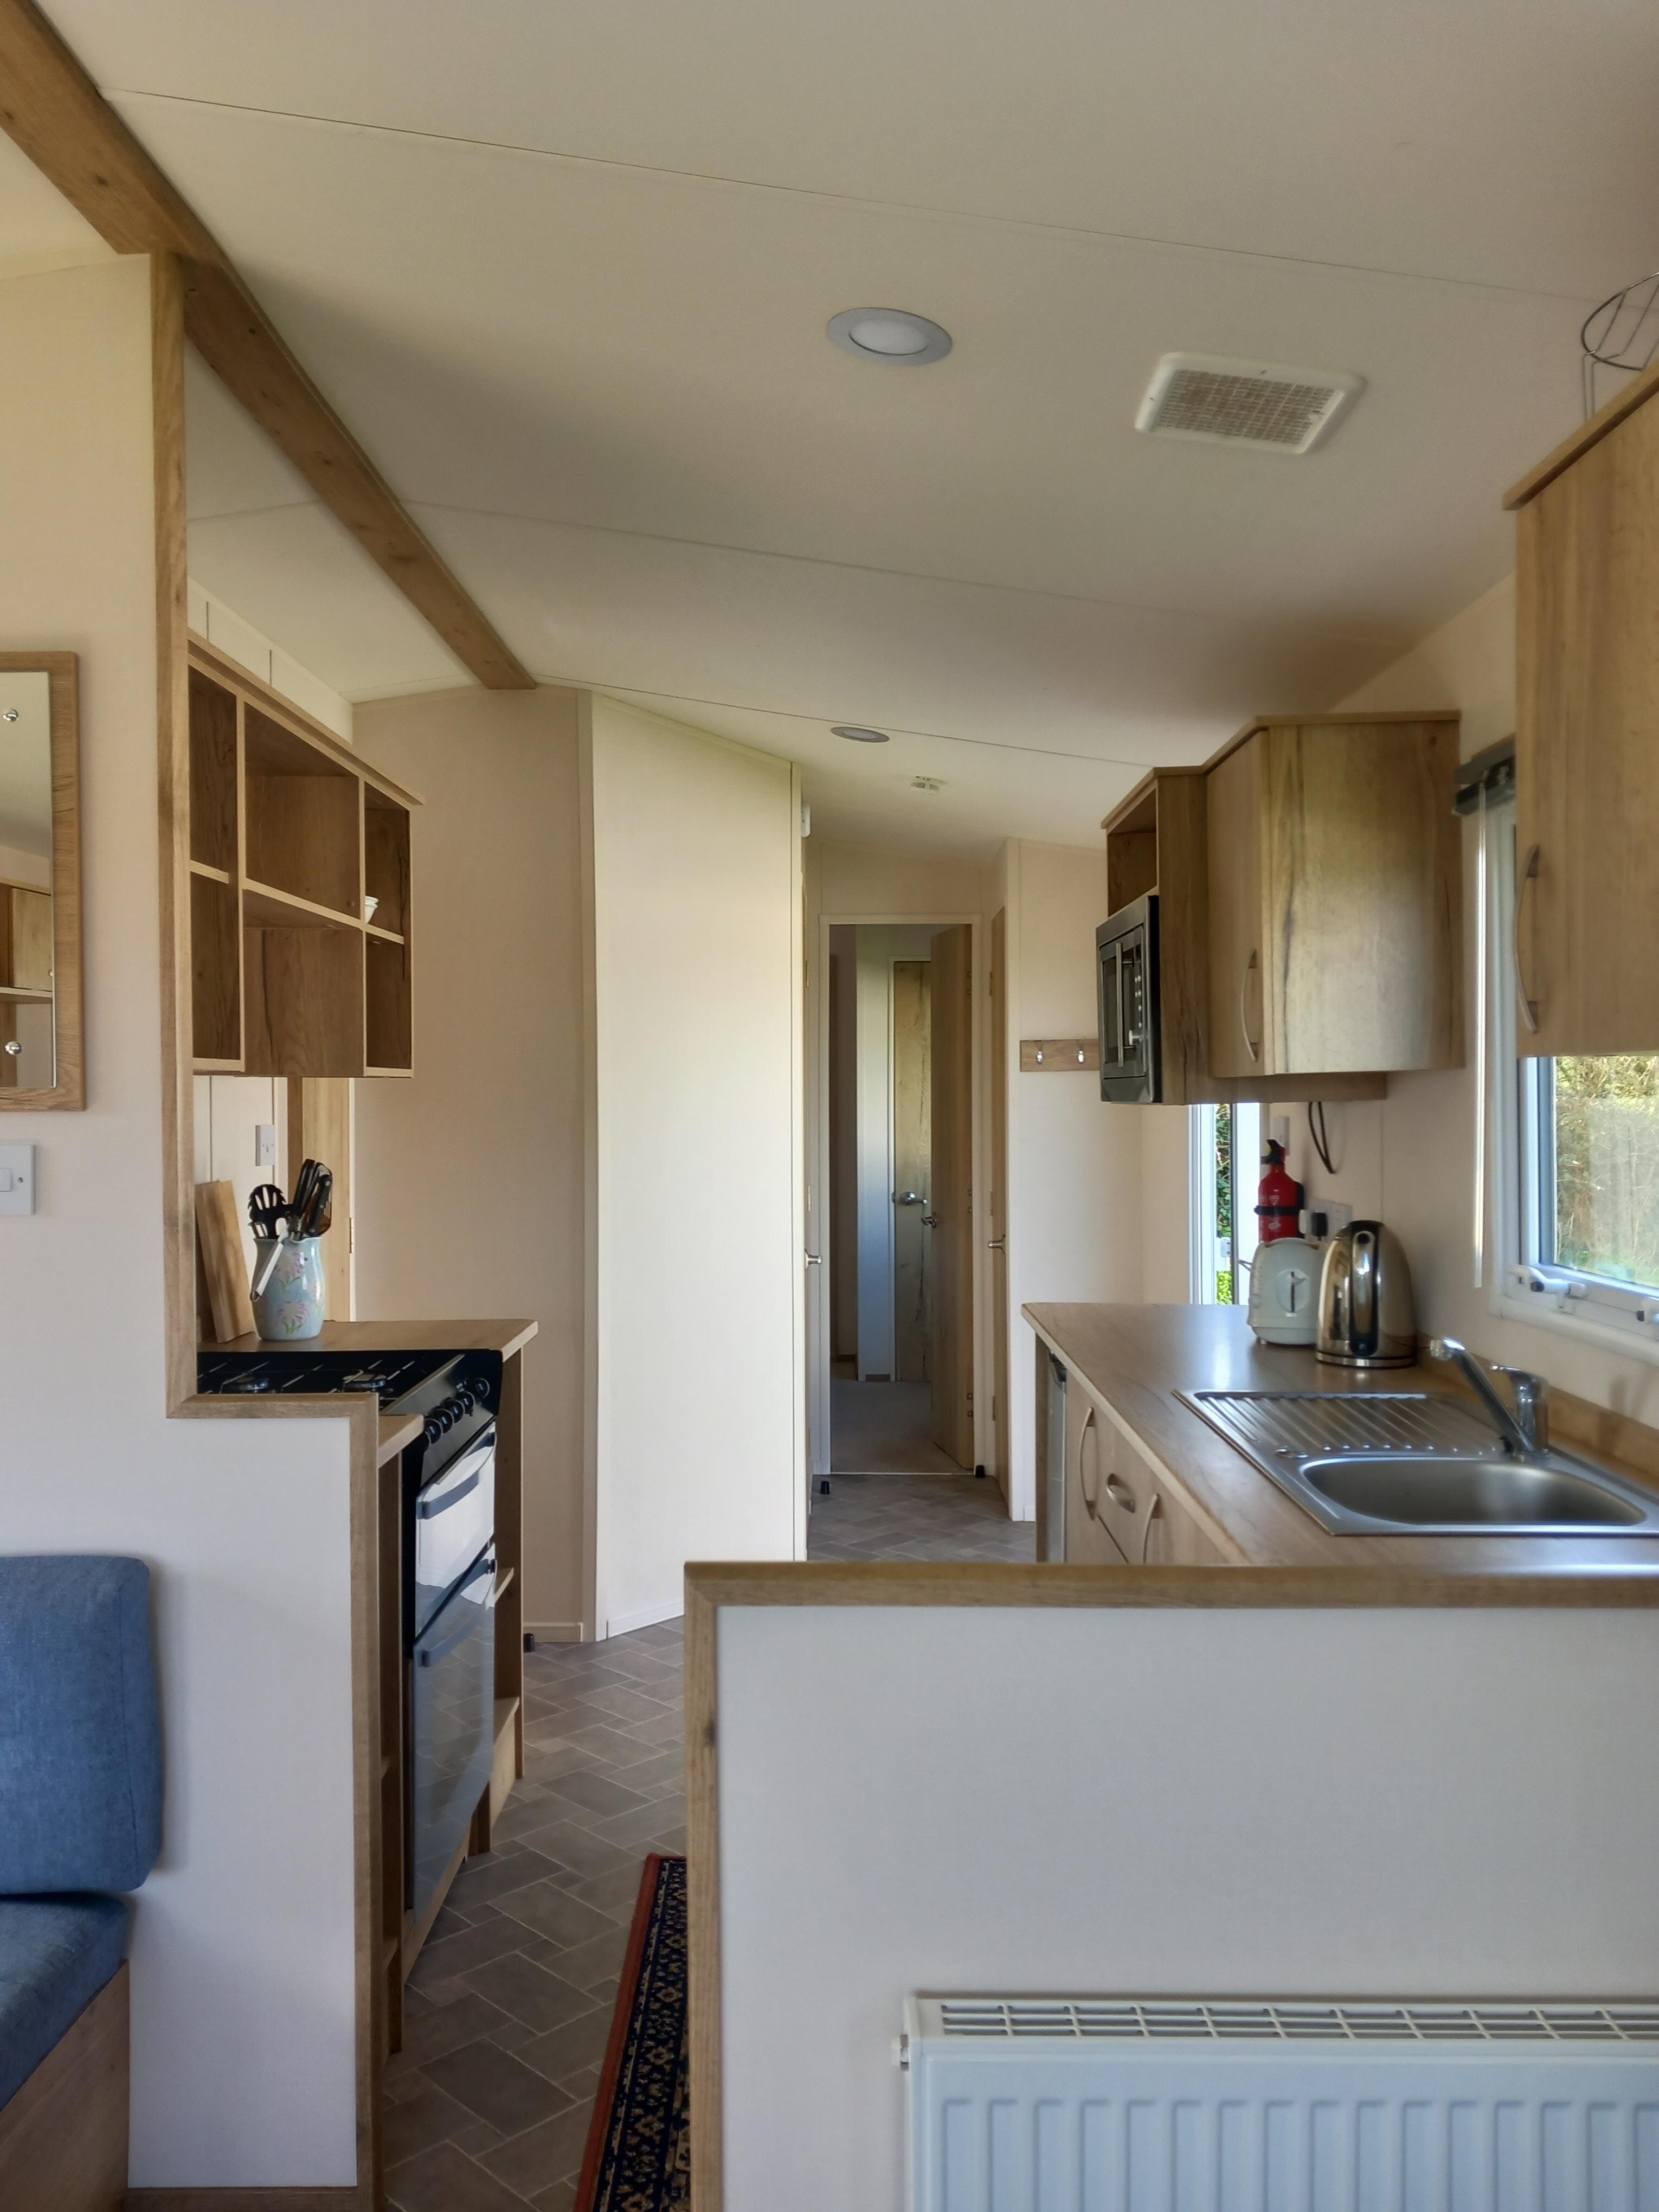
<point x="242" y="1943"/>
<point x="697" y="932"/>
<point x="1075" y="1205"/>
<point x="470" y="1184"/>
<point x="1205" y="1800"/>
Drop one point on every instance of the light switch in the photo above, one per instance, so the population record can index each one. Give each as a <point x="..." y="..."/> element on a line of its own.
<point x="16" y="1178"/>
<point x="264" y="1144"/>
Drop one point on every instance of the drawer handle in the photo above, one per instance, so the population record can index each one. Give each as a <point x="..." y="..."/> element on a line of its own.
<point x="1152" y="1513"/>
<point x="1121" y="1494"/>
<point x="1525" y="874"/>
<point x="1251" y="1046"/>
<point x="1091" y="1504"/>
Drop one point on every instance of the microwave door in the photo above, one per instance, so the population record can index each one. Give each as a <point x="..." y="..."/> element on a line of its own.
<point x="1111" y="1007"/>
<point x="1131" y="1001"/>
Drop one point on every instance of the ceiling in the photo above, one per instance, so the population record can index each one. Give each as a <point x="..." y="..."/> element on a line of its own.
<point x="566" y="272"/>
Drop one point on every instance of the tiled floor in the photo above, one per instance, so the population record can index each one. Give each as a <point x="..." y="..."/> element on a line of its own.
<point x="510" y="2002"/>
<point x="894" y="1495"/>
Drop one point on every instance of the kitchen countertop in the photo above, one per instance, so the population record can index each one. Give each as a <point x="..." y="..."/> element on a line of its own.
<point x="1134" y="1358"/>
<point x="506" y="1337"/>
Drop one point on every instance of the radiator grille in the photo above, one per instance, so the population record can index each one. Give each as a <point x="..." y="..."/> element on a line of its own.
<point x="1157" y="2019"/>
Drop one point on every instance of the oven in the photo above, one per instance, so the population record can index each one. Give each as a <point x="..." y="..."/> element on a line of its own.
<point x="1126" y="958"/>
<point x="451" y="1693"/>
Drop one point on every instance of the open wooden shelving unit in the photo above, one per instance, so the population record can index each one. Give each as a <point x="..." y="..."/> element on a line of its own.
<point x="290" y="835"/>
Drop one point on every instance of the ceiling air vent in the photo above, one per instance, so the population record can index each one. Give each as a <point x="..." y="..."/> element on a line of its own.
<point x="1244" y="402"/>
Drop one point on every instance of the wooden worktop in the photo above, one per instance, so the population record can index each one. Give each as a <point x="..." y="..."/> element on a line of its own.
<point x="1134" y="1358"/>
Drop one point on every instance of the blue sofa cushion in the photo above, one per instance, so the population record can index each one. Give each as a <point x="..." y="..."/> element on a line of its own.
<point x="55" y="1953"/>
<point x="79" y="1740"/>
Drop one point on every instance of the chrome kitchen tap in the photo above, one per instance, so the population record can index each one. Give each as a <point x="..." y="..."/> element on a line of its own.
<point x="1526" y="1430"/>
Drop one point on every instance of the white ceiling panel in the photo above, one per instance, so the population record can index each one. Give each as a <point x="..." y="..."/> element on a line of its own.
<point x="527" y="337"/>
<point x="1503" y="141"/>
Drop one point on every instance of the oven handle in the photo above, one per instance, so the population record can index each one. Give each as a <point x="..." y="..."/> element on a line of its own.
<point x="427" y="1507"/>
<point x="431" y="1654"/>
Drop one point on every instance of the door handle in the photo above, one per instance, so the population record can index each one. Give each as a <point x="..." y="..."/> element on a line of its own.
<point x="996" y="1244"/>
<point x="930" y="1221"/>
<point x="1253" y="962"/>
<point x="815" y="1258"/>
<point x="1525" y="874"/>
<point x="1119" y="1493"/>
<point x="908" y="1198"/>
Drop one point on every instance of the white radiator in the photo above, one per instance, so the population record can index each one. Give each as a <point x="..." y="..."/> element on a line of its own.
<point x="1087" y="2105"/>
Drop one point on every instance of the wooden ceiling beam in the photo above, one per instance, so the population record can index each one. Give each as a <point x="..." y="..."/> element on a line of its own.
<point x="54" y="112"/>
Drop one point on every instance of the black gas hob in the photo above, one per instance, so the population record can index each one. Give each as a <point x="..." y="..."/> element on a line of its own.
<point x="403" y="1382"/>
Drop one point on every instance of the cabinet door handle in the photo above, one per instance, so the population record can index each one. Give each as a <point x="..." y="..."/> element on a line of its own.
<point x="1121" y="1494"/>
<point x="1525" y="874"/>
<point x="1091" y="1504"/>
<point x="1153" y="1512"/>
<point x="1253" y="962"/>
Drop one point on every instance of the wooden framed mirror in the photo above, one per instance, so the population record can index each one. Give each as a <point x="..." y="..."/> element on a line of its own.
<point x="42" y="1066"/>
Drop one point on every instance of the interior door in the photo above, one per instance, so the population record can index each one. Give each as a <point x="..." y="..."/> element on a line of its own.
<point x="952" y="1216"/>
<point x="912" y="1145"/>
<point x="998" y="1206"/>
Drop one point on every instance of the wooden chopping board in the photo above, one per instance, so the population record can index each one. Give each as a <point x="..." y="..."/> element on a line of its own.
<point x="219" y="1242"/>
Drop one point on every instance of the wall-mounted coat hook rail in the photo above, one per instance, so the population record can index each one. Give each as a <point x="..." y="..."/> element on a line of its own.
<point x="1058" y="1056"/>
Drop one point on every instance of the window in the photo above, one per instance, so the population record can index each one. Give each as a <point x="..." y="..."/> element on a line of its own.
<point x="1222" y="1143"/>
<point x="1574" y="1159"/>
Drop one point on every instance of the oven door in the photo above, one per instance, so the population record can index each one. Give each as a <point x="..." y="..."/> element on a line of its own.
<point x="454" y="1519"/>
<point x="452" y="1726"/>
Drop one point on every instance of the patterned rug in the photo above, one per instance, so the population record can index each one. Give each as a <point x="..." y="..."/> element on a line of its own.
<point x="638" y="2156"/>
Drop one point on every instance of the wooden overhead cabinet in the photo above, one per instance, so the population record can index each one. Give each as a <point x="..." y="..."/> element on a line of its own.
<point x="300" y="907"/>
<point x="1336" y="899"/>
<point x="1587" y="736"/>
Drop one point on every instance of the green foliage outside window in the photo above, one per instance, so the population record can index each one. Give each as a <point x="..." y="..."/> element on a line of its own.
<point x="1606" y="1166"/>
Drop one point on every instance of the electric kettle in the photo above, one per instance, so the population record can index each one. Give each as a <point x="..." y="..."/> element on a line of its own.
<point x="1284" y="1291"/>
<point x="1367" y="1315"/>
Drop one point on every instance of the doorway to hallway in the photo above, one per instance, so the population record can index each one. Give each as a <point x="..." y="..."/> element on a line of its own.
<point x="898" y="1115"/>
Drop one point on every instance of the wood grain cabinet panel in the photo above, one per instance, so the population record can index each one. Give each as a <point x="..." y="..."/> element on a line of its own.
<point x="1587" y="742"/>
<point x="1089" y="1542"/>
<point x="1335" y="898"/>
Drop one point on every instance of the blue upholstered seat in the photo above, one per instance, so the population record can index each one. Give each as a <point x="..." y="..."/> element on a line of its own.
<point x="55" y="1953"/>
<point x="80" y="1741"/>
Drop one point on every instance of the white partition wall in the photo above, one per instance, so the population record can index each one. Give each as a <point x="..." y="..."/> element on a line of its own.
<point x="698" y="1254"/>
<point x="1151" y="1801"/>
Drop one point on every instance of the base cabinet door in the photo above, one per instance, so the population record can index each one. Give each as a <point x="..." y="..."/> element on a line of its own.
<point x="1088" y="1539"/>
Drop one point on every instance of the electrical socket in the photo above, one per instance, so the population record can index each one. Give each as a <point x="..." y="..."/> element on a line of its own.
<point x="1335" y="1213"/>
<point x="264" y="1144"/>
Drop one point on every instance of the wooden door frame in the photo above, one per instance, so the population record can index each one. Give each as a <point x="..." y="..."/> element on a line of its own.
<point x="818" y="1220"/>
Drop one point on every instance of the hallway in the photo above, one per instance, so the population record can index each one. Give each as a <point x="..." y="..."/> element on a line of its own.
<point x="894" y="1495"/>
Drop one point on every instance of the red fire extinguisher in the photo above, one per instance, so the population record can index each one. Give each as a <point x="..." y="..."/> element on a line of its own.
<point x="1278" y="1197"/>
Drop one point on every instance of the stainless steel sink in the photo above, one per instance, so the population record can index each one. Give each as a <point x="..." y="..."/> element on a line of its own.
<point x="1491" y="1492"/>
<point x="1372" y="1463"/>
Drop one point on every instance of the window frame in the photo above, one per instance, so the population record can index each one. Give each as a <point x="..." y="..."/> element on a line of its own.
<point x="1524" y="1285"/>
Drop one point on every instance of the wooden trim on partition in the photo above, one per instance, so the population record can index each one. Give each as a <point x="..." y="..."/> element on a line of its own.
<point x="63" y="2131"/>
<point x="61" y="673"/>
<point x="883" y="1582"/>
<point x="50" y="106"/>
<point x="1605" y="417"/>
<point x="172" y="794"/>
<point x="241" y="2200"/>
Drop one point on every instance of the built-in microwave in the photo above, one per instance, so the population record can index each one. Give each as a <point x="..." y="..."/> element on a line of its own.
<point x="1126" y="958"/>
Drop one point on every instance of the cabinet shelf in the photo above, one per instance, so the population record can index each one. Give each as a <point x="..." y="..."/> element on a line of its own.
<point x="39" y="998"/>
<point x="290" y="834"/>
<point x="267" y="907"/>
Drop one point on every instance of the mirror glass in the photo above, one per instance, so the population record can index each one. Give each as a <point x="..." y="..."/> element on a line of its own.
<point x="28" y="1056"/>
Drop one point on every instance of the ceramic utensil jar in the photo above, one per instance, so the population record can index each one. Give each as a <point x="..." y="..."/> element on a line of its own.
<point x="293" y="1305"/>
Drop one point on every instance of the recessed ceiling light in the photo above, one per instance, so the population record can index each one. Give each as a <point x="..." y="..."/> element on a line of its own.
<point x="857" y="733"/>
<point x="890" y="334"/>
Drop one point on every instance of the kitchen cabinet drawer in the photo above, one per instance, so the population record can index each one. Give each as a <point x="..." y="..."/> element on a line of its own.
<point x="1144" y="1521"/>
<point x="1586" y="738"/>
<point x="1335" y="899"/>
<point x="1088" y="1541"/>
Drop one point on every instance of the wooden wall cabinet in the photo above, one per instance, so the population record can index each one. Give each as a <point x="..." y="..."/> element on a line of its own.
<point x="1157" y="840"/>
<point x="291" y="836"/>
<point x="1587" y="735"/>
<point x="1336" y="899"/>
